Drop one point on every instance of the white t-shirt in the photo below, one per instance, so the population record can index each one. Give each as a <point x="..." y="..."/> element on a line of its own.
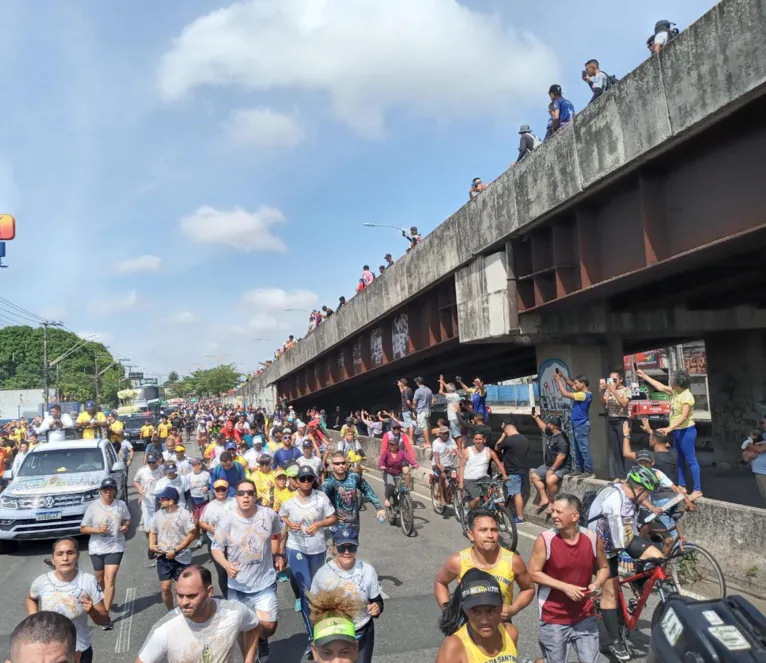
<point x="314" y="463"/>
<point x="96" y="515"/>
<point x="316" y="508"/>
<point x="181" y="484"/>
<point x="251" y="458"/>
<point x="125" y="449"/>
<point x="64" y="598"/>
<point x="176" y="639"/>
<point x="55" y="434"/>
<point x="199" y="483"/>
<point x="247" y="542"/>
<point x="147" y="479"/>
<point x="214" y="510"/>
<point x="361" y="579"/>
<point x="171" y="529"/>
<point x="447" y="452"/>
<point x="453" y="400"/>
<point x="184" y="467"/>
<point x="168" y="455"/>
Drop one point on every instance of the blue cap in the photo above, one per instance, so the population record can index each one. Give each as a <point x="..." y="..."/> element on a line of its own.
<point x="152" y="458"/>
<point x="89" y="405"/>
<point x="168" y="492"/>
<point x="345" y="535"/>
<point x="230" y="445"/>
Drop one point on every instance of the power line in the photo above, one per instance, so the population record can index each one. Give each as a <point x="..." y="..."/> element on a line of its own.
<point x="20" y="319"/>
<point x="23" y="310"/>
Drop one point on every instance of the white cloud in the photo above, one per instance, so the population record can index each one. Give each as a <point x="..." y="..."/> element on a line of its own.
<point x="262" y="127"/>
<point x="108" y="304"/>
<point x="241" y="230"/>
<point x="437" y="58"/>
<point x="277" y="298"/>
<point x="179" y="318"/>
<point x="147" y="263"/>
<point x="57" y="313"/>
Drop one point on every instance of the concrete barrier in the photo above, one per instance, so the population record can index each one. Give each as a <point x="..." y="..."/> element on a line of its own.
<point x="734" y="534"/>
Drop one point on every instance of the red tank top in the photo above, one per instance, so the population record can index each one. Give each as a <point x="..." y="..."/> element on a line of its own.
<point x="572" y="564"/>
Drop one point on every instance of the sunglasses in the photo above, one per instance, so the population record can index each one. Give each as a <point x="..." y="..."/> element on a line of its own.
<point x="221" y="490"/>
<point x="264" y="464"/>
<point x="347" y="547"/>
<point x="343" y="462"/>
<point x="306" y="480"/>
<point x="245" y="493"/>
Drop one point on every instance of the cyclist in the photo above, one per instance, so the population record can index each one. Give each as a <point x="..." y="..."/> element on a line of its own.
<point x="472" y="622"/>
<point x="474" y="468"/>
<point x="343" y="488"/>
<point x="349" y="443"/>
<point x="486" y="554"/>
<point x="613" y="516"/>
<point x="90" y="421"/>
<point x="444" y="459"/>
<point x="394" y="462"/>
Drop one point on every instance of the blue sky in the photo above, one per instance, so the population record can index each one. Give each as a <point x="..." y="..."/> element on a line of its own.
<point x="181" y="172"/>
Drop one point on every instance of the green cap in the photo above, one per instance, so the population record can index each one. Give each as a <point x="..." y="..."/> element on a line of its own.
<point x="332" y="629"/>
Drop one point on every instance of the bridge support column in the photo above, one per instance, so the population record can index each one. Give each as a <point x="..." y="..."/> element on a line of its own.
<point x="736" y="369"/>
<point x="592" y="361"/>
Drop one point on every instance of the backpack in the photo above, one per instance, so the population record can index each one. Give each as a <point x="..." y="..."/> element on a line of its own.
<point x="536" y="142"/>
<point x="587" y="502"/>
<point x="611" y="81"/>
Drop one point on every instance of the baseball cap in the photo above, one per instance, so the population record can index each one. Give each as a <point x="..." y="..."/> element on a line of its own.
<point x="280" y="473"/>
<point x="306" y="471"/>
<point x="109" y="483"/>
<point x="553" y="420"/>
<point x="89" y="405"/>
<point x="168" y="492"/>
<point x="345" y="535"/>
<point x="645" y="455"/>
<point x="169" y="467"/>
<point x="301" y="425"/>
<point x="151" y="458"/>
<point x="287" y="430"/>
<point x="230" y="445"/>
<point x="307" y="444"/>
<point x="525" y="129"/>
<point x="194" y="461"/>
<point x="220" y="483"/>
<point x="333" y="629"/>
<point x="180" y="448"/>
<point x="554" y="89"/>
<point x="480" y="589"/>
<point x="443" y="429"/>
<point x="292" y="470"/>
<point x="264" y="458"/>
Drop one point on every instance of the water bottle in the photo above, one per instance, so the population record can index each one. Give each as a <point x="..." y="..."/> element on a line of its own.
<point x="381" y="519"/>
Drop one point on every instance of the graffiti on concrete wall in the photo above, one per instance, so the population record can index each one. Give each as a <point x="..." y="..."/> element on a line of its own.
<point x="695" y="360"/>
<point x="356" y="352"/>
<point x="400" y="335"/>
<point x="341" y="362"/>
<point x="552" y="402"/>
<point x="376" y="346"/>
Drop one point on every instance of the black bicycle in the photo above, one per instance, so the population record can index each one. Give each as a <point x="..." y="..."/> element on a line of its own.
<point x="492" y="498"/>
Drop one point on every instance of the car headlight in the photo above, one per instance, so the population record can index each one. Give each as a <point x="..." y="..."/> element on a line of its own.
<point x="8" y="502"/>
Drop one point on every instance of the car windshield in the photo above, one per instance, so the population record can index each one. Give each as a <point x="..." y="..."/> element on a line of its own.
<point x="61" y="461"/>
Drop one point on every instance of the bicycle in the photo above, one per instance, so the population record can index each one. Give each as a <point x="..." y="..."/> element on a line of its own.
<point x="401" y="507"/>
<point x="451" y="492"/>
<point x="493" y="498"/>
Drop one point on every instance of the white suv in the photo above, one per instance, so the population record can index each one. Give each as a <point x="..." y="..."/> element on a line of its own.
<point x="49" y="494"/>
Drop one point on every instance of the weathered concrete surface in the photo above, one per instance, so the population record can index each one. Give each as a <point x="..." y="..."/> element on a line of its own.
<point x="735" y="535"/>
<point x="710" y="70"/>
<point x="481" y="292"/>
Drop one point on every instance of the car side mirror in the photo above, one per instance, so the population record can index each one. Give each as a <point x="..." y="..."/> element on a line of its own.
<point x="119" y="466"/>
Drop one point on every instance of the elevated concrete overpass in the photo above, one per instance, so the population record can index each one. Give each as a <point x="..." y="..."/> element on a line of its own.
<point x="641" y="223"/>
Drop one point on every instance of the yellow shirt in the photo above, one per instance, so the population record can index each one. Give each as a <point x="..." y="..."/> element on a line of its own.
<point x="243" y="463"/>
<point x="502" y="571"/>
<point x="264" y="483"/>
<point x="147" y="430"/>
<point x="281" y="496"/>
<point x="114" y="431"/>
<point x="677" y="402"/>
<point x="164" y="430"/>
<point x="345" y="428"/>
<point x="473" y="654"/>
<point x="84" y="418"/>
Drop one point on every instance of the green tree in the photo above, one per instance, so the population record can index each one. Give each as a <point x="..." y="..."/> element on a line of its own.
<point x="21" y="364"/>
<point x="208" y="382"/>
<point x="172" y="378"/>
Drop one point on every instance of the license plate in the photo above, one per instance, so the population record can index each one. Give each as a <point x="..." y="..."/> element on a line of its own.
<point x="48" y="515"/>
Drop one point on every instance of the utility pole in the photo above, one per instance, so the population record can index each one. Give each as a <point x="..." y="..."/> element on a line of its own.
<point x="95" y="361"/>
<point x="46" y="367"/>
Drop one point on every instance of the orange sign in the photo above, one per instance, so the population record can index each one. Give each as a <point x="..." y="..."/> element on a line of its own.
<point x="7" y="227"/>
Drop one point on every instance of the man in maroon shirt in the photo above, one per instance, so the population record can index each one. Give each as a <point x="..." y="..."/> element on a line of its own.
<point x="562" y="565"/>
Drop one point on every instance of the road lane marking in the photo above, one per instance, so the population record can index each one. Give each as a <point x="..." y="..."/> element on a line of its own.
<point x="122" y="646"/>
<point x="526" y="535"/>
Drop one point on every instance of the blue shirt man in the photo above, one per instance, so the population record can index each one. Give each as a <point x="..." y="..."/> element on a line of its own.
<point x="422" y="398"/>
<point x="231" y="471"/>
<point x="562" y="111"/>
<point x="286" y="455"/>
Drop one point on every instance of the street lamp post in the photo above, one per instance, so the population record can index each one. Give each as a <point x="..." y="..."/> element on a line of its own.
<point x="305" y="310"/>
<point x="383" y="225"/>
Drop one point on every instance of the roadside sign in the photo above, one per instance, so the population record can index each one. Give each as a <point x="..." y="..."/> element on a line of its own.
<point x="7" y="227"/>
<point x="135" y="376"/>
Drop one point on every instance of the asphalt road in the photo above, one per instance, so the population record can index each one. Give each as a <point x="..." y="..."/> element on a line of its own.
<point x="406" y="632"/>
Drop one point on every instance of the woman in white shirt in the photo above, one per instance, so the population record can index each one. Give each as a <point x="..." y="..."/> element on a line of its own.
<point x="71" y="593"/>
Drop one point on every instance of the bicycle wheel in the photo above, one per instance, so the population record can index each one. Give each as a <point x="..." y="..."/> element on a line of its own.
<point x="406" y="515"/>
<point x="509" y="537"/>
<point x="697" y="574"/>
<point x="436" y="498"/>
